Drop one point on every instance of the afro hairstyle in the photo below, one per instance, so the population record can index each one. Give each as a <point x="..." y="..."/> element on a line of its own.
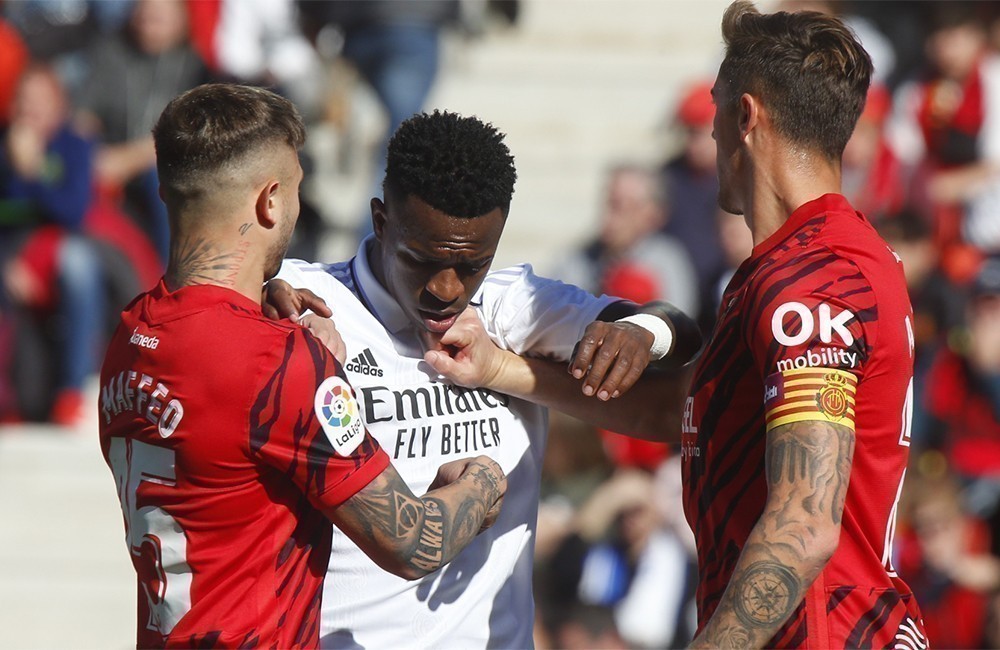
<point x="458" y="165"/>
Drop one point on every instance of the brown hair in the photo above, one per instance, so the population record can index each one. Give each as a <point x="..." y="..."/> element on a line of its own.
<point x="807" y="68"/>
<point x="214" y="126"/>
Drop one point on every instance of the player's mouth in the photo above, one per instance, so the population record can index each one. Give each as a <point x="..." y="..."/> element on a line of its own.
<point x="438" y="323"/>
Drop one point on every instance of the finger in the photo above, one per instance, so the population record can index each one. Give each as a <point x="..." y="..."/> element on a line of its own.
<point x="457" y="335"/>
<point x="340" y="351"/>
<point x="449" y="473"/>
<point x="463" y="330"/>
<point x="440" y="362"/>
<point x="588" y="345"/>
<point x="269" y="311"/>
<point x="633" y="375"/>
<point x="310" y="301"/>
<point x="620" y="367"/>
<point x="281" y="297"/>
<point x="626" y="371"/>
<point x="603" y="359"/>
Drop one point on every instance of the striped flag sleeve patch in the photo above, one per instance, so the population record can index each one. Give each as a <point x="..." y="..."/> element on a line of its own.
<point x="810" y="394"/>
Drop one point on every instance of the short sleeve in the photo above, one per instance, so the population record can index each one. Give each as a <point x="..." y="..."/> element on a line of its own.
<point x="528" y="314"/>
<point x="811" y="327"/>
<point x="325" y="281"/>
<point x="305" y="423"/>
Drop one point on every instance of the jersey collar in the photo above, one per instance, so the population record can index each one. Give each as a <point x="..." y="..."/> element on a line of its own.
<point x="378" y="300"/>
<point x="828" y="203"/>
<point x="166" y="304"/>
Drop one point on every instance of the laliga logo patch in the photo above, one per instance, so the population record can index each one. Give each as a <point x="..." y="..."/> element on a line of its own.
<point x="337" y="411"/>
<point x="832" y="399"/>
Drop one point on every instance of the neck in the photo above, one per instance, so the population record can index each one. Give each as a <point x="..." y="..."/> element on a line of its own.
<point x="778" y="189"/>
<point x="235" y="263"/>
<point x="374" y="252"/>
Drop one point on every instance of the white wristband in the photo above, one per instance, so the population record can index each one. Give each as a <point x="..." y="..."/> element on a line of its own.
<point x="663" y="338"/>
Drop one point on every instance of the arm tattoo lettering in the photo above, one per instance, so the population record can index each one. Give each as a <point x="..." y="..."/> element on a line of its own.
<point x="429" y="553"/>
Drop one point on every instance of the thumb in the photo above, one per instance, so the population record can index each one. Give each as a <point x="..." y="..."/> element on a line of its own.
<point x="457" y="336"/>
<point x="440" y="361"/>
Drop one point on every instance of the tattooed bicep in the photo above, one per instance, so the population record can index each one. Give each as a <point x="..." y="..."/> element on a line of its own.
<point x="808" y="464"/>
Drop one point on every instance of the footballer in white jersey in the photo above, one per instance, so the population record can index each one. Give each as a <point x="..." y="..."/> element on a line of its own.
<point x="483" y="598"/>
<point x="397" y="304"/>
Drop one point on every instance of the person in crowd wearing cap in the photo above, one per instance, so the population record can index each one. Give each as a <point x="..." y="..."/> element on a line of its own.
<point x="692" y="184"/>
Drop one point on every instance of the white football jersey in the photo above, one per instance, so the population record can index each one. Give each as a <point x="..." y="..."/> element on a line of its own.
<point x="483" y="597"/>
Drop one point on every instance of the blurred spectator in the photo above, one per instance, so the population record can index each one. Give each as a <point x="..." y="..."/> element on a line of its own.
<point x="872" y="39"/>
<point x="49" y="269"/>
<point x="132" y="78"/>
<point x="963" y="386"/>
<point x="394" y="44"/>
<point x="618" y="554"/>
<point x="947" y="125"/>
<point x="692" y="186"/>
<point x="944" y="554"/>
<point x="13" y="60"/>
<point x="737" y="244"/>
<point x="259" y="42"/>
<point x="872" y="176"/>
<point x="59" y="32"/>
<point x="938" y="305"/>
<point x="629" y="257"/>
<point x="584" y="627"/>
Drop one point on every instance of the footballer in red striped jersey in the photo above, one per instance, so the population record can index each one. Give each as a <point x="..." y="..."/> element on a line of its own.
<point x="796" y="432"/>
<point x="814" y="327"/>
<point x="223" y="485"/>
<point x="234" y="441"/>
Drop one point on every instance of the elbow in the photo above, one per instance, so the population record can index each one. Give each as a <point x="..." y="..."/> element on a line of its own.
<point x="408" y="568"/>
<point x="408" y="572"/>
<point x="823" y="545"/>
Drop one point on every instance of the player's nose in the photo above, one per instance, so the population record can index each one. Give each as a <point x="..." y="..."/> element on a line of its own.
<point x="446" y="286"/>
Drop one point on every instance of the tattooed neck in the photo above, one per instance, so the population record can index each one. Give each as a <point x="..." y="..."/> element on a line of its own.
<point x="198" y="260"/>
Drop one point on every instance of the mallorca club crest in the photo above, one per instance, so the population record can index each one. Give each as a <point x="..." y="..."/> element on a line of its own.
<point x="337" y="411"/>
<point x="832" y="398"/>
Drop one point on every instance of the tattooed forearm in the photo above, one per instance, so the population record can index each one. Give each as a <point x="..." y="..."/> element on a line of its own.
<point x="413" y="536"/>
<point x="430" y="551"/>
<point x="765" y="594"/>
<point x="195" y="260"/>
<point x="808" y="467"/>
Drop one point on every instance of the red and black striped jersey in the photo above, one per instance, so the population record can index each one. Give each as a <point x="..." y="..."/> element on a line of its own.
<point x="220" y="428"/>
<point x="815" y="325"/>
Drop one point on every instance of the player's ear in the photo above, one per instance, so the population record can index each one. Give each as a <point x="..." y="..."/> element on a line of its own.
<point x="749" y="114"/>
<point x="378" y="217"/>
<point x="267" y="205"/>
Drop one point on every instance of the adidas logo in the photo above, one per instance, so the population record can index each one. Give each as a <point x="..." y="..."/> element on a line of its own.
<point x="364" y="364"/>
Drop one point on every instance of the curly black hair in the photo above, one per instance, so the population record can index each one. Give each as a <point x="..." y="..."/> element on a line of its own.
<point x="458" y="165"/>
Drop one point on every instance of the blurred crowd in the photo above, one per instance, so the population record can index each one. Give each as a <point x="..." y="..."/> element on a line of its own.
<point x="83" y="230"/>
